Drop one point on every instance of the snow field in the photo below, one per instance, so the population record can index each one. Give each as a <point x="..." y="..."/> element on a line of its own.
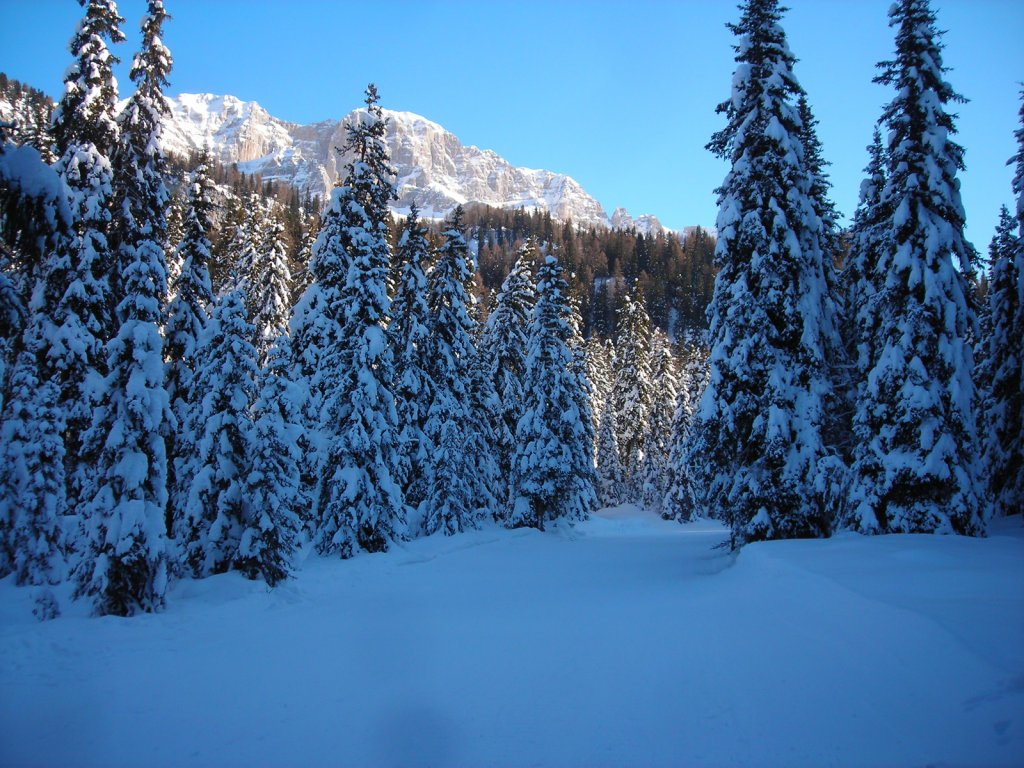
<point x="624" y="641"/>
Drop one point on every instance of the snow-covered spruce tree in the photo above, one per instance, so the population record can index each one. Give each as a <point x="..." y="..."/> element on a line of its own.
<point x="461" y="475"/>
<point x="822" y="205"/>
<point x="409" y="337"/>
<point x="821" y="233"/>
<point x="34" y="225"/>
<point x="302" y="275"/>
<point x="272" y="493"/>
<point x="76" y="291"/>
<point x="658" y="440"/>
<point x="125" y="568"/>
<point x="187" y="316"/>
<point x="315" y="331"/>
<point x="583" y="391"/>
<point x="610" y="478"/>
<point x="552" y="472"/>
<point x="245" y="250"/>
<point x="502" y="351"/>
<point x="32" y="497"/>
<point x="758" y="436"/>
<point x="632" y="392"/>
<point x="679" y="501"/>
<point x="215" y="442"/>
<point x="177" y="211"/>
<point x="867" y="243"/>
<point x="916" y="456"/>
<point x="35" y="222"/>
<point x="269" y="292"/>
<point x="360" y="501"/>
<point x="599" y="372"/>
<point x="1004" y="395"/>
<point x="1001" y="372"/>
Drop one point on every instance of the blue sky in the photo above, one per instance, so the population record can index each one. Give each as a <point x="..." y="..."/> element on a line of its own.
<point x="620" y="96"/>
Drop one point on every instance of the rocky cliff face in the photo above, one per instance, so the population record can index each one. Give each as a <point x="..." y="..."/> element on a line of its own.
<point x="436" y="171"/>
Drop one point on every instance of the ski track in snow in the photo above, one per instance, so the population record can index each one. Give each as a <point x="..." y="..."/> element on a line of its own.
<point x="627" y="641"/>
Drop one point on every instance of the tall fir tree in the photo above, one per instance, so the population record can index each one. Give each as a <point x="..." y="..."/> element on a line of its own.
<point x="34" y="230"/>
<point x="553" y="470"/>
<point x="409" y="336"/>
<point x="916" y="455"/>
<point x="599" y="372"/>
<point x="1000" y="373"/>
<point x="610" y="477"/>
<point x="272" y="492"/>
<point x="758" y="436"/>
<point x="360" y="501"/>
<point x="269" y="291"/>
<point x="680" y="501"/>
<point x="658" y="439"/>
<point x="502" y="351"/>
<point x="245" y="250"/>
<point x="461" y="475"/>
<point x="187" y="316"/>
<point x="215" y="441"/>
<point x="632" y="392"/>
<point x="76" y="293"/>
<point x="126" y="566"/>
<point x="315" y="332"/>
<point x="32" y="497"/>
<point x="867" y="242"/>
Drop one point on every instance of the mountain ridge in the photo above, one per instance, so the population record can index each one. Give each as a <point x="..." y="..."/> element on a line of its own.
<point x="435" y="170"/>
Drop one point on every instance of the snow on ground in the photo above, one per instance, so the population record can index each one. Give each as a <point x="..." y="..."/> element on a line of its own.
<point x="626" y="641"/>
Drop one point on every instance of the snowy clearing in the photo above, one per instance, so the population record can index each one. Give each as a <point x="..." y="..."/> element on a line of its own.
<point x="625" y="641"/>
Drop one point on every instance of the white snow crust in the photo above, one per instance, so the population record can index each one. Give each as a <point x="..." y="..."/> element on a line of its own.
<point x="624" y="641"/>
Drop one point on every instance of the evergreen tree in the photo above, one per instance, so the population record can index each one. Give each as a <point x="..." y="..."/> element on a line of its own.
<point x="32" y="496"/>
<point x="916" y="458"/>
<point x="582" y="395"/>
<point x="315" y="331"/>
<point x="360" y="502"/>
<point x="758" y="437"/>
<point x="502" y="351"/>
<point x="658" y="440"/>
<point x="270" y="295"/>
<point x="245" y="251"/>
<point x="1001" y="372"/>
<point x="610" y="477"/>
<point x="680" y="501"/>
<point x="632" y="392"/>
<point x="409" y="337"/>
<point x="272" y="493"/>
<point x="822" y="205"/>
<point x="216" y="445"/>
<point x="599" y="372"/>
<point x="552" y="472"/>
<point x="86" y="134"/>
<point x="126" y="568"/>
<point x="461" y="477"/>
<point x="187" y="316"/>
<point x="35" y="223"/>
<point x="76" y="292"/>
<point x="867" y="237"/>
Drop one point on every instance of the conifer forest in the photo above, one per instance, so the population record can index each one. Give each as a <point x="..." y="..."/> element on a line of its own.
<point x="206" y="373"/>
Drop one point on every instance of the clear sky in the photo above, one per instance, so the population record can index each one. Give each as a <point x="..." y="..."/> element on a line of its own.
<point x="619" y="95"/>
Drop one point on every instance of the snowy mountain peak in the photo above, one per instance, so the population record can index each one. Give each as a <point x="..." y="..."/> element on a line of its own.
<point x="436" y="171"/>
<point x="646" y="224"/>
